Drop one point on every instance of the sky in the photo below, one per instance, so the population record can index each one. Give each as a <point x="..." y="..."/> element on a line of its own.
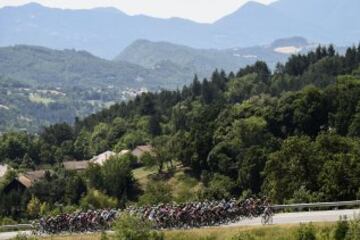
<point x="206" y="11"/>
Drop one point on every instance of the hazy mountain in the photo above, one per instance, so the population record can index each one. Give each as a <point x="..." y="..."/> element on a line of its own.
<point x="203" y="61"/>
<point x="106" y="31"/>
<point x="41" y="66"/>
<point x="102" y="31"/>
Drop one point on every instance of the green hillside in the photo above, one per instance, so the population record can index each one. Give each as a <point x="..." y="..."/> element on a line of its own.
<point x="292" y="135"/>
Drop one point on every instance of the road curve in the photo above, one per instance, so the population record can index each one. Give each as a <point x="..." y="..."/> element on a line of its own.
<point x="279" y="219"/>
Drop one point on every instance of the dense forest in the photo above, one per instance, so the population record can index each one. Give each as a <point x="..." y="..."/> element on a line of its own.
<point x="292" y="135"/>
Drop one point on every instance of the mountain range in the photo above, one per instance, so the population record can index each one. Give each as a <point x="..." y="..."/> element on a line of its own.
<point x="152" y="55"/>
<point x="143" y="64"/>
<point x="107" y="31"/>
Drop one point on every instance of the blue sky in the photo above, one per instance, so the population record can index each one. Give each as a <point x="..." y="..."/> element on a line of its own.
<point x="197" y="10"/>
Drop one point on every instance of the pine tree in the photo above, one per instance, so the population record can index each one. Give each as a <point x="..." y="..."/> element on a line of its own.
<point x="331" y="51"/>
<point x="196" y="87"/>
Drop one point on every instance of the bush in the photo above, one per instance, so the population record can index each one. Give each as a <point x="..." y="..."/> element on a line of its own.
<point x="156" y="192"/>
<point x="131" y="228"/>
<point x="24" y="237"/>
<point x="306" y="232"/>
<point x="244" y="236"/>
<point x="219" y="187"/>
<point x="104" y="236"/>
<point x="341" y="229"/>
<point x="354" y="230"/>
<point x="34" y="206"/>
<point x="97" y="200"/>
<point x="148" y="160"/>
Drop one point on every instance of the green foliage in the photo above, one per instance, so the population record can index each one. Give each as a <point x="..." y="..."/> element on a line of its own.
<point x="7" y="221"/>
<point x="156" y="192"/>
<point x="104" y="236"/>
<point x="95" y="199"/>
<point x="292" y="135"/>
<point x="33" y="207"/>
<point x="131" y="228"/>
<point x="342" y="228"/>
<point x="219" y="187"/>
<point x="306" y="232"/>
<point x="24" y="237"/>
<point x="117" y="178"/>
<point x="354" y="229"/>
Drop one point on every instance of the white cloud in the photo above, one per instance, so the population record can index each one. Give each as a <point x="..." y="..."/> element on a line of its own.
<point x="197" y="10"/>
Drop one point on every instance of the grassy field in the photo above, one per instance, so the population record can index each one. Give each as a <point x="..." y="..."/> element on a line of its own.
<point x="284" y="232"/>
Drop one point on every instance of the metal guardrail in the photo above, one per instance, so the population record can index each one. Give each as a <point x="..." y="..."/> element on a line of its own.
<point x="16" y="227"/>
<point x="319" y="205"/>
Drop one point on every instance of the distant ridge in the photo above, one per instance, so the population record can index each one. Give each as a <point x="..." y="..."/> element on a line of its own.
<point x="107" y="31"/>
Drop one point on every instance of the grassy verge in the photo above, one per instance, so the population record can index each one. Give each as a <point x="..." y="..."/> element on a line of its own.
<point x="283" y="232"/>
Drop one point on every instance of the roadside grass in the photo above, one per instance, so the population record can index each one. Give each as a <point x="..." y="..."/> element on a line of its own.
<point x="276" y="232"/>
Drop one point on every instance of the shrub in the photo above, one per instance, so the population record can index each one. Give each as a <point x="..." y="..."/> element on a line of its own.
<point x="341" y="229"/>
<point x="44" y="209"/>
<point x="148" y="160"/>
<point x="219" y="187"/>
<point x="354" y="230"/>
<point x="24" y="237"/>
<point x="34" y="207"/>
<point x="156" y="192"/>
<point x="131" y="228"/>
<point x="7" y="221"/>
<point x="244" y="236"/>
<point x="104" y="236"/>
<point x="96" y="199"/>
<point x="306" y="232"/>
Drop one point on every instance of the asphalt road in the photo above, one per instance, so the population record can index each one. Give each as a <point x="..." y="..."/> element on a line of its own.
<point x="10" y="235"/>
<point x="303" y="217"/>
<point x="279" y="219"/>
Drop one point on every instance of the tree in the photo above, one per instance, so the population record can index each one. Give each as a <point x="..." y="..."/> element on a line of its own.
<point x="99" y="138"/>
<point x="75" y="188"/>
<point x="196" y="87"/>
<point x="82" y="149"/>
<point x="27" y="162"/>
<point x="147" y="105"/>
<point x="117" y="177"/>
<point x="57" y="134"/>
<point x="154" y="125"/>
<point x="155" y="193"/>
<point x="207" y="92"/>
<point x="163" y="155"/>
<point x="297" y="164"/>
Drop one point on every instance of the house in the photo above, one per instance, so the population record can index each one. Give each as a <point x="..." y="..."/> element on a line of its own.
<point x="3" y="170"/>
<point x="124" y="152"/>
<point x="76" y="165"/>
<point x="24" y="181"/>
<point x="29" y="178"/>
<point x="102" y="158"/>
<point x="139" y="151"/>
